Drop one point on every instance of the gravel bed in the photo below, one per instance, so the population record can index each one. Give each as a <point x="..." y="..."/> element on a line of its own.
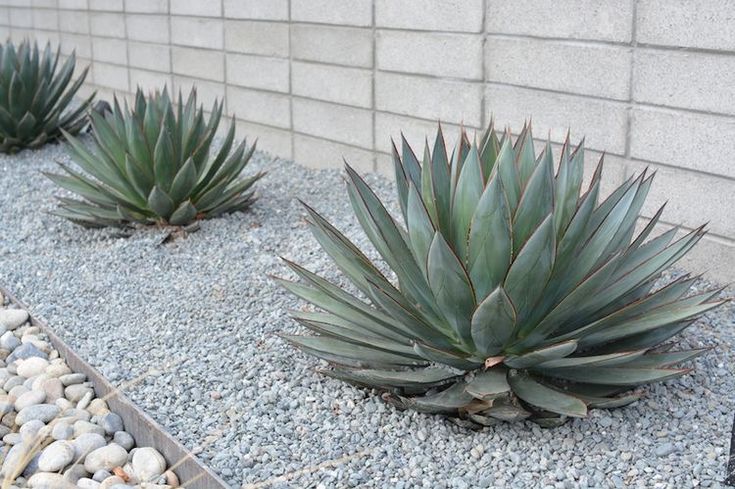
<point x="198" y="316"/>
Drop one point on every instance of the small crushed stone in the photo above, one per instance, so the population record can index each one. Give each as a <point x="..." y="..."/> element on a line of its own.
<point x="198" y="317"/>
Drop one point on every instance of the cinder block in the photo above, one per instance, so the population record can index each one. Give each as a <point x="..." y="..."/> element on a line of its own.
<point x="104" y="93"/>
<point x="319" y="153"/>
<point x="430" y="15"/>
<point x="336" y="122"/>
<point x="45" y="19"/>
<point x="684" y="139"/>
<point x="683" y="79"/>
<point x="198" y="63"/>
<point x="602" y="123"/>
<point x="339" y="45"/>
<point x="266" y="38"/>
<point x="109" y="50"/>
<point x="21" y="17"/>
<point x="197" y="32"/>
<point x="565" y="19"/>
<point x="614" y="169"/>
<point x="75" y="42"/>
<point x="350" y="86"/>
<point x="556" y="65"/>
<point x="258" y="72"/>
<point x="43" y="37"/>
<point x="261" y="107"/>
<point x="156" y="57"/>
<point x="5" y="16"/>
<point x="693" y="198"/>
<point x="149" y="28"/>
<point x="687" y="23"/>
<point x="147" y="6"/>
<point x="74" y="22"/>
<point x="207" y="91"/>
<point x="106" y="5"/>
<point x="79" y="67"/>
<point x="107" y="24"/>
<point x="18" y="34"/>
<point x="433" y="99"/>
<point x="453" y="55"/>
<point x="256" y="9"/>
<point x="200" y="8"/>
<point x="416" y="131"/>
<point x="45" y="3"/>
<point x="713" y="255"/>
<point x="73" y="4"/>
<point x="354" y="12"/>
<point x="277" y="142"/>
<point x="149" y="81"/>
<point x="111" y="76"/>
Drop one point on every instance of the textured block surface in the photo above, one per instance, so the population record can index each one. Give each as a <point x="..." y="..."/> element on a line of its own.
<point x="647" y="82"/>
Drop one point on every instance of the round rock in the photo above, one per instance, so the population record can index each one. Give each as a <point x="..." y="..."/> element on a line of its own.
<point x="46" y="480"/>
<point x="107" y="458"/>
<point x="58" y="369"/>
<point x="62" y="431"/>
<point x="30" y="398"/>
<point x="9" y="341"/>
<point x="56" y="456"/>
<point x="111" y="423"/>
<point x="98" y="407"/>
<point x="148" y="464"/>
<point x="26" y="350"/>
<point x="53" y="388"/>
<point x="75" y="472"/>
<point x="81" y="427"/>
<point x="72" y="379"/>
<point x="12" y="318"/>
<point x="76" y="392"/>
<point x="32" y="366"/>
<point x="87" y="443"/>
<point x="101" y="475"/>
<point x="124" y="439"/>
<point x="40" y="412"/>
<point x="86" y="483"/>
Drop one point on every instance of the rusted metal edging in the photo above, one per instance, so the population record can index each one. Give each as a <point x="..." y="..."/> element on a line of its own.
<point x="191" y="472"/>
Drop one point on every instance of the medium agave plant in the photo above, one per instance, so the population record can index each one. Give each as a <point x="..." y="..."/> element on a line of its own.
<point x="34" y="97"/>
<point x="152" y="164"/>
<point x="517" y="294"/>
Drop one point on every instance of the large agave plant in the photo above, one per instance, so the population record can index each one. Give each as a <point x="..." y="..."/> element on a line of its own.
<point x="152" y="164"/>
<point x="517" y="295"/>
<point x="34" y="96"/>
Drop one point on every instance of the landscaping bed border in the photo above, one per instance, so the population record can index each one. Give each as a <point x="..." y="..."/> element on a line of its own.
<point x="192" y="473"/>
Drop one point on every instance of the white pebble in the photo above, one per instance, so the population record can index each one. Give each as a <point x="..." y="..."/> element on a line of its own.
<point x="56" y="456"/>
<point x="12" y="318"/>
<point x="29" y="398"/>
<point x="148" y="464"/>
<point x="32" y="366"/>
<point x="107" y="458"/>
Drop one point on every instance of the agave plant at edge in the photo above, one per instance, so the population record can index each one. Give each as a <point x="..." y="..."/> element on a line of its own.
<point x="35" y="94"/>
<point x="518" y="294"/>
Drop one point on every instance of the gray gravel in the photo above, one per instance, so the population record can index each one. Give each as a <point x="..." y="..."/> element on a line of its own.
<point x="198" y="316"/>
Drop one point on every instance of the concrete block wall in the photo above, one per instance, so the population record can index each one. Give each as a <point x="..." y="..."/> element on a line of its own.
<point x="649" y="82"/>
